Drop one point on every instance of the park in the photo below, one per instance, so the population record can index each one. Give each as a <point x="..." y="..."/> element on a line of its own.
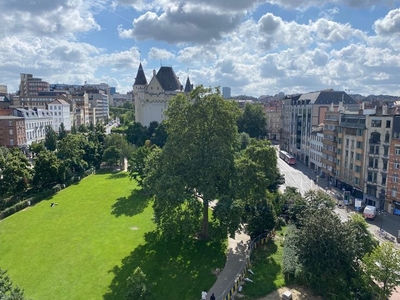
<point x="87" y="245"/>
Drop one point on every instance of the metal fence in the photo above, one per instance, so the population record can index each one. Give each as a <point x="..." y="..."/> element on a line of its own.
<point x="234" y="285"/>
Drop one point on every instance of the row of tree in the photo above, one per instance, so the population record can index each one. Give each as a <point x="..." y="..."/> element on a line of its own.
<point x="60" y="158"/>
<point x="338" y="260"/>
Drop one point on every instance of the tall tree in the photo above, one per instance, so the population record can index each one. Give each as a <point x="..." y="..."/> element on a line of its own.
<point x="383" y="265"/>
<point x="50" y="141"/>
<point x="253" y="121"/>
<point x="16" y="173"/>
<point x="47" y="169"/>
<point x="62" y="132"/>
<point x="137" y="163"/>
<point x="198" y="156"/>
<point x="71" y="152"/>
<point x="160" y="135"/>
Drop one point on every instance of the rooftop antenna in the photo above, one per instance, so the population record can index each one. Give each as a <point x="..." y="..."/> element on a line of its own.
<point x="140" y="56"/>
<point x="160" y="62"/>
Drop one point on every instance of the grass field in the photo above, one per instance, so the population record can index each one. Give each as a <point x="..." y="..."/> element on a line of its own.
<point x="267" y="268"/>
<point x="87" y="245"/>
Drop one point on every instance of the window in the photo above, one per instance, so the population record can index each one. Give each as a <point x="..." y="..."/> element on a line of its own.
<point x="396" y="165"/>
<point x="11" y="142"/>
<point x="339" y="141"/>
<point x="358" y="156"/>
<point x="384" y="180"/>
<point x="376" y="123"/>
<point x="397" y="151"/>
<point x="360" y="132"/>
<point x="357" y="180"/>
<point x="351" y="166"/>
<point x="347" y="153"/>
<point x="351" y="154"/>
<point x="359" y="145"/>
<point x="385" y="164"/>
<point x="387" y="123"/>
<point x="374" y="149"/>
<point x="339" y="151"/>
<point x="347" y="142"/>
<point x="358" y="169"/>
<point x="394" y="192"/>
<point x="9" y="123"/>
<point x="10" y="132"/>
<point x="395" y="178"/>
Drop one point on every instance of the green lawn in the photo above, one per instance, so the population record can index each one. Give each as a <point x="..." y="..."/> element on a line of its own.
<point x="86" y="246"/>
<point x="267" y="267"/>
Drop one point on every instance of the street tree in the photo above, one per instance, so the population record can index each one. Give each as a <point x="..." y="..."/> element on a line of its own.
<point x="137" y="163"/>
<point x="50" y="141"/>
<point x="8" y="291"/>
<point x="198" y="157"/>
<point x="36" y="148"/>
<point x="327" y="252"/>
<point x="47" y="169"/>
<point x="253" y="121"/>
<point x="383" y="266"/>
<point x="62" y="132"/>
<point x="261" y="217"/>
<point x="119" y="141"/>
<point x="16" y="173"/>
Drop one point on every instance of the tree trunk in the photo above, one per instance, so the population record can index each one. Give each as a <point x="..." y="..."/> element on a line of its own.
<point x="204" y="226"/>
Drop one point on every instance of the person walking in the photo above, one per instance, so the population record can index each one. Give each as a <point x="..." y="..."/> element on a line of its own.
<point x="203" y="295"/>
<point x="212" y="296"/>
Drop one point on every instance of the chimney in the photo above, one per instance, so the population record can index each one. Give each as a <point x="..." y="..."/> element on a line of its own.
<point x="154" y="73"/>
<point x="384" y="110"/>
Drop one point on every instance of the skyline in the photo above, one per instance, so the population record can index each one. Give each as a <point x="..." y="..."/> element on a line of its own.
<point x="255" y="47"/>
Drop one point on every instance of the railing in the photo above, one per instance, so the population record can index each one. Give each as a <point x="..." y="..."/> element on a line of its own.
<point x="234" y="285"/>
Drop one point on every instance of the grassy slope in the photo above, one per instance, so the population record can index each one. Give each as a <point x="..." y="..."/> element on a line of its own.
<point x="267" y="268"/>
<point x="85" y="247"/>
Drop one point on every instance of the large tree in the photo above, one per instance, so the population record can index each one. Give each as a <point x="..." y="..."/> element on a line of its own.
<point x="198" y="157"/>
<point x="50" y="141"/>
<point x="383" y="266"/>
<point x="253" y="120"/>
<point x="71" y="151"/>
<point x="16" y="173"/>
<point x="62" y="132"/>
<point x="137" y="134"/>
<point x="47" y="169"/>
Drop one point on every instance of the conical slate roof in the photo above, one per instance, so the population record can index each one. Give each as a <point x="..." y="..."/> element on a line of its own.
<point x="140" y="77"/>
<point x="188" y="86"/>
<point x="168" y="79"/>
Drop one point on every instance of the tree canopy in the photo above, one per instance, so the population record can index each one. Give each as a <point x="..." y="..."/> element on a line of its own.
<point x="253" y="120"/>
<point x="197" y="160"/>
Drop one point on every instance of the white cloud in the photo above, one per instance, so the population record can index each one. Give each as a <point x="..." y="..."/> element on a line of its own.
<point x="157" y="53"/>
<point x="390" y="24"/>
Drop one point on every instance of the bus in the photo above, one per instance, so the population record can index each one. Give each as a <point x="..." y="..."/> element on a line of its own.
<point x="289" y="159"/>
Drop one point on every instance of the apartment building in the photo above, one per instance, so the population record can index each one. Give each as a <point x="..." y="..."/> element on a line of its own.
<point x="60" y="110"/>
<point x="12" y="132"/>
<point x="31" y="86"/>
<point x="316" y="146"/>
<point x="350" y="159"/>
<point x="308" y="111"/>
<point x="273" y="112"/>
<point x="36" y="121"/>
<point x="329" y="144"/>
<point x="392" y="204"/>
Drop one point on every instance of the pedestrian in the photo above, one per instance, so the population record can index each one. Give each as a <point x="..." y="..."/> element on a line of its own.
<point x="212" y="297"/>
<point x="203" y="295"/>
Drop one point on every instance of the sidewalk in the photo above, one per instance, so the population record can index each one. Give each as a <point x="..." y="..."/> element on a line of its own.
<point x="235" y="261"/>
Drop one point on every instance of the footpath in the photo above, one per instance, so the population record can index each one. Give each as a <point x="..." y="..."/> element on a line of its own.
<point x="236" y="260"/>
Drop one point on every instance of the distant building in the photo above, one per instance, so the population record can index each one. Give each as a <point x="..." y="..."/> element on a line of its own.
<point x="393" y="184"/>
<point x="31" y="86"/>
<point x="273" y="112"/>
<point x="3" y="89"/>
<point x="61" y="113"/>
<point x="12" y="132"/>
<point x="151" y="99"/>
<point x="36" y="121"/>
<point x="226" y="92"/>
<point x="316" y="145"/>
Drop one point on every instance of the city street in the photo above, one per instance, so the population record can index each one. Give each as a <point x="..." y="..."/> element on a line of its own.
<point x="302" y="178"/>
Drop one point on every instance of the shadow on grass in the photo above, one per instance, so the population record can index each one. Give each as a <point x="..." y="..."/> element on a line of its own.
<point x="132" y="205"/>
<point x="176" y="270"/>
<point x="117" y="175"/>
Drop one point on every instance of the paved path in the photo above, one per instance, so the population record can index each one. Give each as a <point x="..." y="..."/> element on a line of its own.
<point x="236" y="259"/>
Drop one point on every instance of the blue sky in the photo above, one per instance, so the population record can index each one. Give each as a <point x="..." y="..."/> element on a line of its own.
<point x="255" y="47"/>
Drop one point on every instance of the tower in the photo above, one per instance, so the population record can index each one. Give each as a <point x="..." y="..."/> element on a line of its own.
<point x="139" y="88"/>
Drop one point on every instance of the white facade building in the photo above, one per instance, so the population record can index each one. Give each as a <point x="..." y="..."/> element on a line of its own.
<point x="60" y="111"/>
<point x="151" y="99"/>
<point x="316" y="146"/>
<point x="36" y="121"/>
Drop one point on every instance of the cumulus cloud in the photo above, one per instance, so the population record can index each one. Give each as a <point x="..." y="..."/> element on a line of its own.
<point x="157" y="53"/>
<point x="390" y="24"/>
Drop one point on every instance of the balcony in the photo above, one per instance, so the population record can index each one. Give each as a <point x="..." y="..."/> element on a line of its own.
<point x="372" y="182"/>
<point x="386" y="142"/>
<point x="372" y="168"/>
<point x="374" y="141"/>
